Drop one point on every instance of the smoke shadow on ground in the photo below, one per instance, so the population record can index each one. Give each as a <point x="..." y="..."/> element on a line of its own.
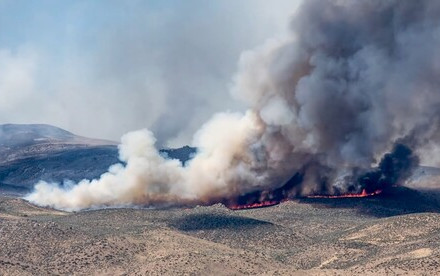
<point x="214" y="221"/>
<point x="394" y="202"/>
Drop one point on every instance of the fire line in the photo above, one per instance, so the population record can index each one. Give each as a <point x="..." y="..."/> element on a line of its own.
<point x="268" y="203"/>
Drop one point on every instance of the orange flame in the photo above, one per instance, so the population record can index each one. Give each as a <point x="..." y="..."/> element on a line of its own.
<point x="363" y="194"/>
<point x="254" y="205"/>
<point x="268" y="203"/>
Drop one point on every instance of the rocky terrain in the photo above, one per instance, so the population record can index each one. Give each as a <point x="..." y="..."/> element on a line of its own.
<point x="397" y="232"/>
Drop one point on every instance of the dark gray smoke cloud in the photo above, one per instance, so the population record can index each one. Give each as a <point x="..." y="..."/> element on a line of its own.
<point x="357" y="75"/>
<point x="344" y="103"/>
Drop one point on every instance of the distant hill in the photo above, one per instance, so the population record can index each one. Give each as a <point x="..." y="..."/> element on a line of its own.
<point x="29" y="153"/>
<point x="183" y="154"/>
<point x="19" y="135"/>
<point x="12" y="135"/>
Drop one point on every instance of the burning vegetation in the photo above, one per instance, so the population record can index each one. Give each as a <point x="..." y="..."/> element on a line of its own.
<point x="349" y="82"/>
<point x="361" y="195"/>
<point x="394" y="168"/>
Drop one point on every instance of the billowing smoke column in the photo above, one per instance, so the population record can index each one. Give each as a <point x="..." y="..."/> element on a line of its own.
<point x="340" y="105"/>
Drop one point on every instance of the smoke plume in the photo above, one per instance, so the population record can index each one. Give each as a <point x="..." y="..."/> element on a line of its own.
<point x="342" y="104"/>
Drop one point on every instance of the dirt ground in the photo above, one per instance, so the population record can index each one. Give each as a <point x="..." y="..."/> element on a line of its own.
<point x="397" y="233"/>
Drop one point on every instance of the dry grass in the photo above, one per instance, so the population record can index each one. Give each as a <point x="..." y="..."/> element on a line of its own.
<point x="295" y="238"/>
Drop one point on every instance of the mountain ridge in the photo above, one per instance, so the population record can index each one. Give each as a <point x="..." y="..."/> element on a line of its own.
<point x="33" y="152"/>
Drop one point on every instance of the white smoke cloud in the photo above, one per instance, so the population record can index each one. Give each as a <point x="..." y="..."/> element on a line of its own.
<point x="349" y="83"/>
<point x="149" y="178"/>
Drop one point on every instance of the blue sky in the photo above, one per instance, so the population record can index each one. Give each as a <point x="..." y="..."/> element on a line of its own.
<point x="102" y="68"/>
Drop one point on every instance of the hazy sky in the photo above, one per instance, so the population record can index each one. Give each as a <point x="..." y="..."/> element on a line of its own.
<point x="102" y="68"/>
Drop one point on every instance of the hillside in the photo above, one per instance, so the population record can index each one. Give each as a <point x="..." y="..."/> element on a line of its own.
<point x="396" y="233"/>
<point x="30" y="153"/>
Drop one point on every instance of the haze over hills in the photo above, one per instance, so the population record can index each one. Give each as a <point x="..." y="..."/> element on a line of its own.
<point x="33" y="152"/>
<point x="30" y="153"/>
<point x="316" y="169"/>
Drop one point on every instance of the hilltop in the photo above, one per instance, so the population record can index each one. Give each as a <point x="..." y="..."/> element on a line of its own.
<point x="30" y="153"/>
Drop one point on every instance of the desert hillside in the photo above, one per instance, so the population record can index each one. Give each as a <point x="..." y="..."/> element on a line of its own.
<point x="396" y="233"/>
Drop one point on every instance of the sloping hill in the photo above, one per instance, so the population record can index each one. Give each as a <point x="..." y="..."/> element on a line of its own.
<point x="30" y="153"/>
<point x="21" y="135"/>
<point x="315" y="237"/>
<point x="394" y="233"/>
